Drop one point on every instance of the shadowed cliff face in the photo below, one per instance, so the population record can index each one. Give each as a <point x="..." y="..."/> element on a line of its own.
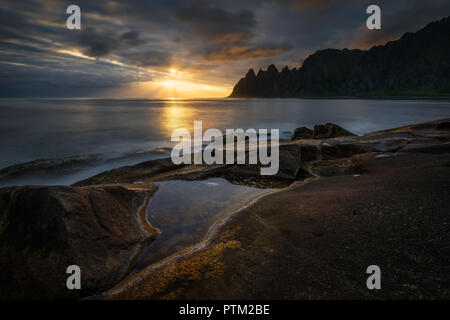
<point x="416" y="65"/>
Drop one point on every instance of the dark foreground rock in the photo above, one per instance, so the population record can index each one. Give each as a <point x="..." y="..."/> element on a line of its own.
<point x="315" y="241"/>
<point x="47" y="167"/>
<point x="329" y="130"/>
<point x="137" y="173"/>
<point x="43" y="230"/>
<point x="321" y="131"/>
<point x="302" y="133"/>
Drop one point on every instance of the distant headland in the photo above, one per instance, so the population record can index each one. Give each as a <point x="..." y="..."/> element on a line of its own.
<point x="415" y="65"/>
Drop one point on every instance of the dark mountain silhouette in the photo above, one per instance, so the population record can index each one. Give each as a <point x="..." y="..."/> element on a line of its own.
<point x="417" y="64"/>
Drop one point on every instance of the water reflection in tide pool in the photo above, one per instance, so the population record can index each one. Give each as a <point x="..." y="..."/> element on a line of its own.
<point x="184" y="210"/>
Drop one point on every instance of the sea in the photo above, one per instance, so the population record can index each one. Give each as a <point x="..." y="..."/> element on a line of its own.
<point x="102" y="134"/>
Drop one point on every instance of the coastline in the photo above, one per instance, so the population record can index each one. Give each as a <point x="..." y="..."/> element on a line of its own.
<point x="310" y="239"/>
<point x="406" y="98"/>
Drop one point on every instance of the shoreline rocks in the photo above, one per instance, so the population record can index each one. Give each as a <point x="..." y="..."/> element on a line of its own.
<point x="99" y="224"/>
<point x="321" y="131"/>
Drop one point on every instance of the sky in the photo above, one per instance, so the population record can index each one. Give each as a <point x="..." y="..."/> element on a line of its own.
<point x="180" y="48"/>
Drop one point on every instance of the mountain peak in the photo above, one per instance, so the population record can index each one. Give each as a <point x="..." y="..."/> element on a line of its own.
<point x="250" y="74"/>
<point x="272" y="69"/>
<point x="417" y="64"/>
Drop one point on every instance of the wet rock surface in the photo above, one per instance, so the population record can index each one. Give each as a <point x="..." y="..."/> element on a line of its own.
<point x="321" y="131"/>
<point x="292" y="244"/>
<point x="47" y="167"/>
<point x="136" y="173"/>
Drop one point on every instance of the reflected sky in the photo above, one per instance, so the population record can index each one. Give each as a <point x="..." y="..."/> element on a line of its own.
<point x="184" y="210"/>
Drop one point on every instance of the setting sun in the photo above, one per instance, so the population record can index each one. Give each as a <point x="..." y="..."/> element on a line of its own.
<point x="175" y="88"/>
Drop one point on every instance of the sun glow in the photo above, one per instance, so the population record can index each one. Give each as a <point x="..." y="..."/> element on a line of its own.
<point x="175" y="116"/>
<point x="175" y="88"/>
<point x="168" y="89"/>
<point x="172" y="84"/>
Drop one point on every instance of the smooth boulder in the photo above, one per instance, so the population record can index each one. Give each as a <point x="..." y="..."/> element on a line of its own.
<point x="43" y="230"/>
<point x="329" y="130"/>
<point x="321" y="131"/>
<point x="302" y="133"/>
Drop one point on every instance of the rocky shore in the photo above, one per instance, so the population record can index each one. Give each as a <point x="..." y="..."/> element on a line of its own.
<point x="344" y="202"/>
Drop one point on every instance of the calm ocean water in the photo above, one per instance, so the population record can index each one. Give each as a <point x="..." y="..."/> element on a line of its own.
<point x="40" y="129"/>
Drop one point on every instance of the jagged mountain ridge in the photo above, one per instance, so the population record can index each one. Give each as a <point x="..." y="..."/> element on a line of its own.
<point x="417" y="64"/>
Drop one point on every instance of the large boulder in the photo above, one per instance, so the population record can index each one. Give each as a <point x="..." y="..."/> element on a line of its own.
<point x="329" y="130"/>
<point x="321" y="131"/>
<point x="302" y="133"/>
<point x="43" y="230"/>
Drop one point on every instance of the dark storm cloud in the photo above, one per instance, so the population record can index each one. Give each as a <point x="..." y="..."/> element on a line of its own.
<point x="235" y="52"/>
<point x="11" y="19"/>
<point x="132" y="38"/>
<point x="96" y="44"/>
<point x="310" y="3"/>
<point x="101" y="43"/>
<point x="224" y="35"/>
<point x="149" y="58"/>
<point x="216" y="24"/>
<point x="123" y="40"/>
<point x="15" y="25"/>
<point x="400" y="17"/>
<point x="128" y="46"/>
<point x="32" y="81"/>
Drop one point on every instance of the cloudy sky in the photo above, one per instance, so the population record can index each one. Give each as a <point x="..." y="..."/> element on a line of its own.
<point x="180" y="49"/>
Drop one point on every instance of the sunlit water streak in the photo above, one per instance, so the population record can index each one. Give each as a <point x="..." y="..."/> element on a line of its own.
<point x="56" y="128"/>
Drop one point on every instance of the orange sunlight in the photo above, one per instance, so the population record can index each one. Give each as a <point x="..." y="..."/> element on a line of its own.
<point x="174" y="88"/>
<point x="174" y="84"/>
